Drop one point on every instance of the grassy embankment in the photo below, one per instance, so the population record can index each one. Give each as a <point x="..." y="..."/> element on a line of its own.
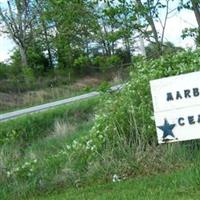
<point x="31" y="158"/>
<point x="50" y="174"/>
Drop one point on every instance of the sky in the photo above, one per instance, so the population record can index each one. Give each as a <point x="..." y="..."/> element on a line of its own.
<point x="175" y="24"/>
<point x="6" y="44"/>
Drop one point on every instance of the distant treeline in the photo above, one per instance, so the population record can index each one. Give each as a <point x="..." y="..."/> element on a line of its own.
<point x="84" y="36"/>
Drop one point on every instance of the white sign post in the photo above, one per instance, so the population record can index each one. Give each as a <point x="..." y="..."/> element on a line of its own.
<point x="176" y="102"/>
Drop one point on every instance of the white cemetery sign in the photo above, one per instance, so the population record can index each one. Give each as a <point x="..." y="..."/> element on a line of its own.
<point x="176" y="102"/>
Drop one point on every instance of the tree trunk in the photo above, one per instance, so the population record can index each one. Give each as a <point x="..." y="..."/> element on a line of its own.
<point x="153" y="28"/>
<point x="23" y="55"/>
<point x="128" y="49"/>
<point x="47" y="45"/>
<point x="196" y="9"/>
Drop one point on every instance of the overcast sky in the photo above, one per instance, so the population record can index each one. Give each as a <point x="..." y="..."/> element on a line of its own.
<point x="175" y="24"/>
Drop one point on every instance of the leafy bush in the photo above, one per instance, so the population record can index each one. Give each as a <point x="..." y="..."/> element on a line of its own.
<point x="35" y="56"/>
<point x="124" y="55"/>
<point x="129" y="112"/>
<point x="3" y="71"/>
<point x="104" y="86"/>
<point x="21" y="79"/>
<point x="82" y="63"/>
<point x="153" y="51"/>
<point x="15" y="78"/>
<point x="105" y="63"/>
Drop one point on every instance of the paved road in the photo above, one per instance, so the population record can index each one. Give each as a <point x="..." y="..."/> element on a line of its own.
<point x="47" y="106"/>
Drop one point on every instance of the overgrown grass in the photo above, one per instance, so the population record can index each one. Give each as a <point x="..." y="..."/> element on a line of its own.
<point x="14" y="101"/>
<point x="36" y="126"/>
<point x="178" y="185"/>
<point x="46" y="172"/>
<point x="34" y="162"/>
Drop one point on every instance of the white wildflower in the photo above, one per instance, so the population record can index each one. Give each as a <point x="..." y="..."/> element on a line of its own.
<point x="29" y="174"/>
<point x="101" y="137"/>
<point x="8" y="174"/>
<point x="74" y="144"/>
<point x="115" y="178"/>
<point x="89" y="142"/>
<point x="93" y="148"/>
<point x="17" y="169"/>
<point x="87" y="147"/>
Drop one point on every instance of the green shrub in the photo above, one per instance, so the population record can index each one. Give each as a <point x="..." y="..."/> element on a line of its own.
<point x="3" y="71"/>
<point x="17" y="79"/>
<point x="82" y="63"/>
<point x="130" y="111"/>
<point x="105" y="63"/>
<point x="104" y="86"/>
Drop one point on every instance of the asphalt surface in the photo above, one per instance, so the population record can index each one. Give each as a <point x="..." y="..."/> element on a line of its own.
<point x="47" y="106"/>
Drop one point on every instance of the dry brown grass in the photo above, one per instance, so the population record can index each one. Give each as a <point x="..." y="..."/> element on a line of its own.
<point x="63" y="128"/>
<point x="12" y="101"/>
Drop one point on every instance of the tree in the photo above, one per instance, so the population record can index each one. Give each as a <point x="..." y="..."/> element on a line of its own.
<point x="196" y="9"/>
<point x="116" y="31"/>
<point x="45" y="27"/>
<point x="193" y="5"/>
<point x="168" y="49"/>
<point x="73" y="29"/>
<point x="149" y="10"/>
<point x="18" y="18"/>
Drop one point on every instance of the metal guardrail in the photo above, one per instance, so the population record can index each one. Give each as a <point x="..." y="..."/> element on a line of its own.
<point x="47" y="106"/>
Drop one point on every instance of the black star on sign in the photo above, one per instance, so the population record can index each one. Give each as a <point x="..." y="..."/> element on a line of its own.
<point x="167" y="129"/>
